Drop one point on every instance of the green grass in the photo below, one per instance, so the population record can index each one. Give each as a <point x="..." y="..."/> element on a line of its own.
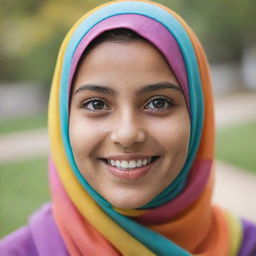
<point x="23" y="188"/>
<point x="237" y="145"/>
<point x="25" y="123"/>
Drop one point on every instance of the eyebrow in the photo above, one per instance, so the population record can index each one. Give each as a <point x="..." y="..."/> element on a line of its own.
<point x="95" y="88"/>
<point x="144" y="89"/>
<point x="159" y="86"/>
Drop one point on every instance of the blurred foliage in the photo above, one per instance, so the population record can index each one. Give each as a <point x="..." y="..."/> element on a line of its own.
<point x="223" y="26"/>
<point x="237" y="145"/>
<point x="32" y="31"/>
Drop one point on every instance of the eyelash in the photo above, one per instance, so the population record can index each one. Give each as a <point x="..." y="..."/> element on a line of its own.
<point x="91" y="100"/>
<point x="168" y="101"/>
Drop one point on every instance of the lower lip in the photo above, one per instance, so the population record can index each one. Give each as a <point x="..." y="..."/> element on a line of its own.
<point x="132" y="174"/>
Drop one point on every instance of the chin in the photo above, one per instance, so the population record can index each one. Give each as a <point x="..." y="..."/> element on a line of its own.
<point x="129" y="205"/>
<point x="131" y="202"/>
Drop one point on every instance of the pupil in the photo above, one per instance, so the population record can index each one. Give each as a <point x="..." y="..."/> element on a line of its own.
<point x="158" y="103"/>
<point x="97" y="104"/>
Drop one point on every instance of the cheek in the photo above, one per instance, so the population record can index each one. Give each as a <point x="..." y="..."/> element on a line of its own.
<point x="85" y="136"/>
<point x="172" y="133"/>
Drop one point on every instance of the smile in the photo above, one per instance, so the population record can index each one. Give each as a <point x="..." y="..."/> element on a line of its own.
<point x="132" y="168"/>
<point x="131" y="164"/>
<point x="129" y="169"/>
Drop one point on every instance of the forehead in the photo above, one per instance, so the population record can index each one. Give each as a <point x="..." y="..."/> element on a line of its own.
<point x="130" y="61"/>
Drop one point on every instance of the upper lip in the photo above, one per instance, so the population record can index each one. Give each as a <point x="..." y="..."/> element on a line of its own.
<point x="129" y="157"/>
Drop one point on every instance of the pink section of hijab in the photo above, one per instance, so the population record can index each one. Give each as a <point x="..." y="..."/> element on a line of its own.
<point x="198" y="178"/>
<point x="152" y="31"/>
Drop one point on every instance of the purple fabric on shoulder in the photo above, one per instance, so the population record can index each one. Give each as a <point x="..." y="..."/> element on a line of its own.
<point x="18" y="243"/>
<point x="41" y="237"/>
<point x="248" y="247"/>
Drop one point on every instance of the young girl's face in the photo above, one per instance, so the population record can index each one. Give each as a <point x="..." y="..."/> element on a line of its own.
<point x="129" y="125"/>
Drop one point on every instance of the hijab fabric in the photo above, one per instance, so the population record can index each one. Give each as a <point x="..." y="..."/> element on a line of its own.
<point x="180" y="220"/>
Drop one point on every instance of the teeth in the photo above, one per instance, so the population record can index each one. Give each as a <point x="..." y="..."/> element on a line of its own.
<point x="139" y="163"/>
<point x="144" y="161"/>
<point x="132" y="164"/>
<point x="117" y="163"/>
<point x="124" y="164"/>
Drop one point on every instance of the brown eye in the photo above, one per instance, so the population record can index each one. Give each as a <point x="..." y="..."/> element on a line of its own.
<point x="159" y="103"/>
<point x="95" y="105"/>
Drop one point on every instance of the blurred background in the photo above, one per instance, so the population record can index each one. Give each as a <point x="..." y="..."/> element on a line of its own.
<point x="31" y="33"/>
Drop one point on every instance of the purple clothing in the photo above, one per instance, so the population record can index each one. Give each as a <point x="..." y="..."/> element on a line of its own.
<point x="248" y="247"/>
<point x="42" y="238"/>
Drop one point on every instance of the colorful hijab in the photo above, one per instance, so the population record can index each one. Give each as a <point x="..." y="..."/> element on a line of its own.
<point x="180" y="220"/>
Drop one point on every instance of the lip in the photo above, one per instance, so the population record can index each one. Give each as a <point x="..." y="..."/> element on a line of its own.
<point x="128" y="157"/>
<point x="132" y="174"/>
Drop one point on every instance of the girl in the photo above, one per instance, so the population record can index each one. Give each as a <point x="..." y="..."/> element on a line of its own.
<point x="132" y="144"/>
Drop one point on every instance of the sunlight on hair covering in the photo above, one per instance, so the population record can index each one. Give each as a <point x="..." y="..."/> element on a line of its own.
<point x="180" y="220"/>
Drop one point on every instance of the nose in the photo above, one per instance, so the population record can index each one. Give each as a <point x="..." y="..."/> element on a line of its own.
<point x="127" y="130"/>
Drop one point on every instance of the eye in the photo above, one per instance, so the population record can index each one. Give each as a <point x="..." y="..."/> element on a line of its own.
<point x="95" y="104"/>
<point x="159" y="104"/>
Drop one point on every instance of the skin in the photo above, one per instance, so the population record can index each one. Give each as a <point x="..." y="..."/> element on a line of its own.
<point x="126" y="121"/>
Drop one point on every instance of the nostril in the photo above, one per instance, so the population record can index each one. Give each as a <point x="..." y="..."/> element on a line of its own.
<point x="126" y="138"/>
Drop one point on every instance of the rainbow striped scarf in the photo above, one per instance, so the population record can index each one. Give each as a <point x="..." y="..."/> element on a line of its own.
<point x="180" y="220"/>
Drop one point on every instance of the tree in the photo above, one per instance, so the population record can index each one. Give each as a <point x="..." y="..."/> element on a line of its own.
<point x="33" y="34"/>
